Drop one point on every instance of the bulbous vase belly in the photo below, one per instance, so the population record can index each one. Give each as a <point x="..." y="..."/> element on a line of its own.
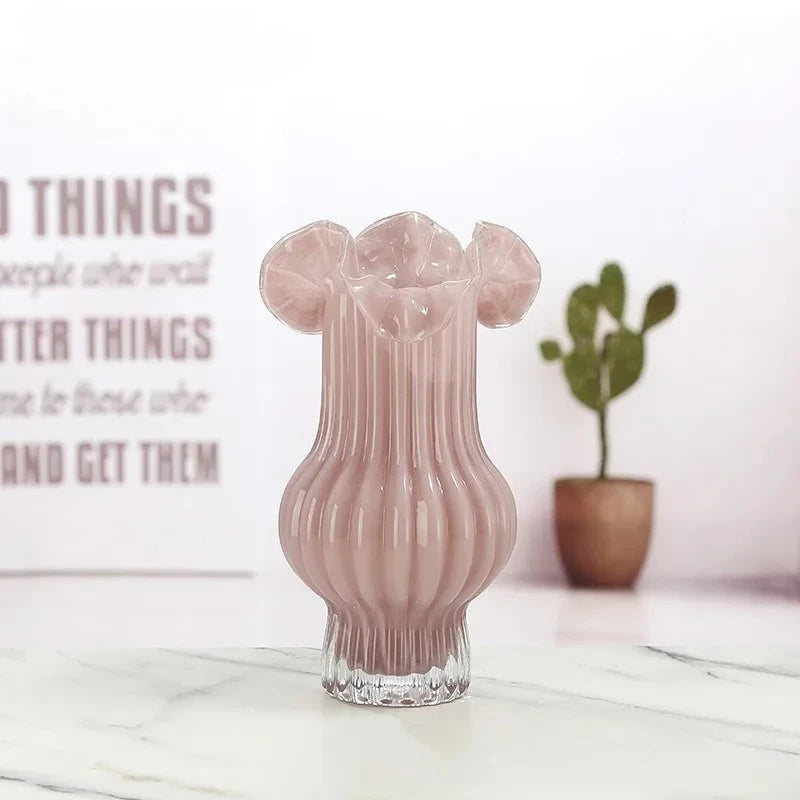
<point x="397" y="518"/>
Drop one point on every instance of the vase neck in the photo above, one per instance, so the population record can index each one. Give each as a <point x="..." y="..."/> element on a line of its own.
<point x="405" y="401"/>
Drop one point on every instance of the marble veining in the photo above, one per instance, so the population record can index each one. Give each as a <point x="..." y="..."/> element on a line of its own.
<point x="549" y="722"/>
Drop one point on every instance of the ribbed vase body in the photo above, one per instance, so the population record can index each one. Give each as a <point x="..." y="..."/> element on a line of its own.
<point x="397" y="517"/>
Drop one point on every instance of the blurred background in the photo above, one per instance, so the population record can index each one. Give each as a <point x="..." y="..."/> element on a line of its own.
<point x="152" y="411"/>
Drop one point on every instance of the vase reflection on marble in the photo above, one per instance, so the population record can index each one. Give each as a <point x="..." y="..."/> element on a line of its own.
<point x="397" y="518"/>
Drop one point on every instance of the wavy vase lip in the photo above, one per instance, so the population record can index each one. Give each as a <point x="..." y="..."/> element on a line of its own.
<point x="297" y="271"/>
<point x="408" y="276"/>
<point x="510" y="274"/>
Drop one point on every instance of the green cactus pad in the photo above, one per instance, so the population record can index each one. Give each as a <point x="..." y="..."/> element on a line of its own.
<point x="625" y="354"/>
<point x="582" y="370"/>
<point x="551" y="350"/>
<point x="582" y="313"/>
<point x="612" y="290"/>
<point x="660" y="305"/>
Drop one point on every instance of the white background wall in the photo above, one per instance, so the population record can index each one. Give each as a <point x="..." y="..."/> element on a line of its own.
<point x="665" y="138"/>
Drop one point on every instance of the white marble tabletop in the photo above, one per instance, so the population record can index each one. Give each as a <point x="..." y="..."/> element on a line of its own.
<point x="582" y="722"/>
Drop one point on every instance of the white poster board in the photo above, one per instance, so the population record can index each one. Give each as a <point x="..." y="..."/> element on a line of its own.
<point x="123" y="442"/>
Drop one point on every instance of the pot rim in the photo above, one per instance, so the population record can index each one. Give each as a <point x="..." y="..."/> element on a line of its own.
<point x="622" y="480"/>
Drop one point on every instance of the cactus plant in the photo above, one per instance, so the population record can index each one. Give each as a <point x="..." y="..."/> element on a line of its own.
<point x="599" y="371"/>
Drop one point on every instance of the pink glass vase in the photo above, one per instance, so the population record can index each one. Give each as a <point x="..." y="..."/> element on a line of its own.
<point x="397" y="518"/>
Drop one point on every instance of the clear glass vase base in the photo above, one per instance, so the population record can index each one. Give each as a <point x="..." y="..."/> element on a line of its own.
<point x="400" y="691"/>
<point x="425" y="668"/>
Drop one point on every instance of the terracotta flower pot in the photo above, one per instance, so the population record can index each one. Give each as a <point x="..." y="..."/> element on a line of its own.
<point x="603" y="529"/>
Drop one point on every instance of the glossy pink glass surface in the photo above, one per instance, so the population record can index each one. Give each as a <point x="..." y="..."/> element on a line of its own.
<point x="397" y="517"/>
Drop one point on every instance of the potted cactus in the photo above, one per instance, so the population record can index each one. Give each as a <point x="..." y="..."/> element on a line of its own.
<point x="603" y="524"/>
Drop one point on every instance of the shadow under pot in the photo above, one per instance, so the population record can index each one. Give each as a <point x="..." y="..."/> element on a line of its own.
<point x="603" y="529"/>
